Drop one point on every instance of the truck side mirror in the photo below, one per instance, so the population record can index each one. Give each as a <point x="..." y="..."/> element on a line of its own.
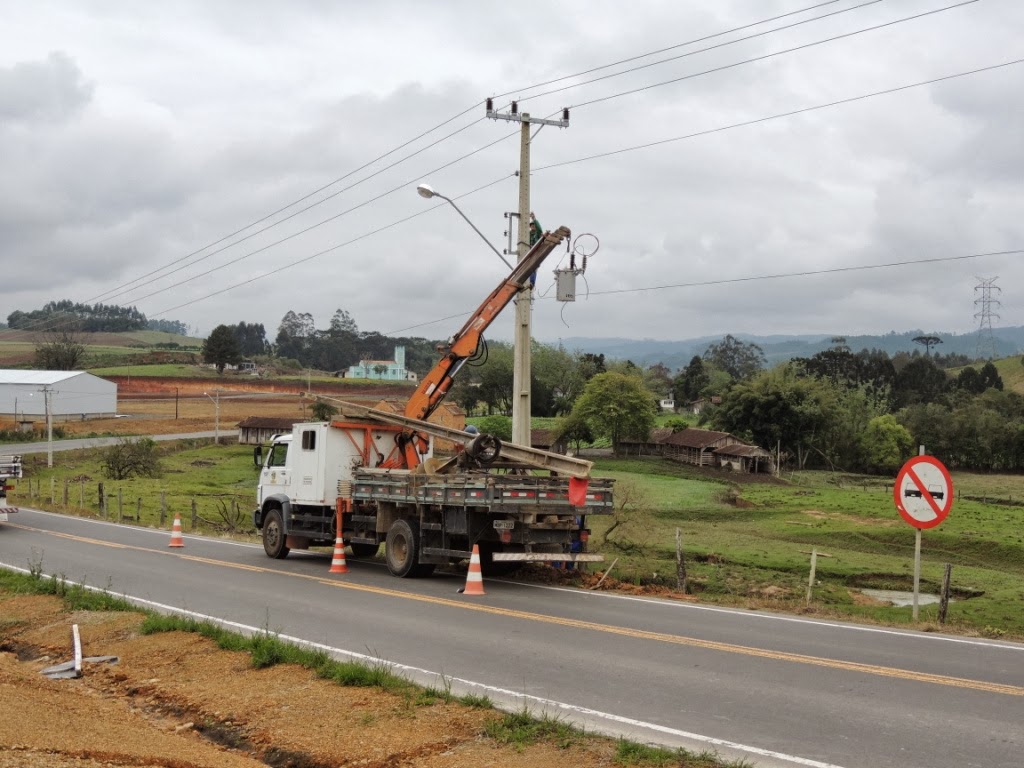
<point x="257" y="456"/>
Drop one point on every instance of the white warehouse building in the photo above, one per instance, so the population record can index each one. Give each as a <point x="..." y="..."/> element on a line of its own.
<point x="73" y="394"/>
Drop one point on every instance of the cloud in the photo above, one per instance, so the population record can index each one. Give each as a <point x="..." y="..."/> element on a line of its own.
<point x="48" y="91"/>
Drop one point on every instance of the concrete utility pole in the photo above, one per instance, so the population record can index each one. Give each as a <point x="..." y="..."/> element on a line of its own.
<point x="521" y="408"/>
<point x="216" y="411"/>
<point x="49" y="425"/>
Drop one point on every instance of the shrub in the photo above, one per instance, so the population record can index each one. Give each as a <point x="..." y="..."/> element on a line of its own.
<point x="131" y="458"/>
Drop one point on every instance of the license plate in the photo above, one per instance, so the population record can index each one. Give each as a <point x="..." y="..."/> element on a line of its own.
<point x="504" y="525"/>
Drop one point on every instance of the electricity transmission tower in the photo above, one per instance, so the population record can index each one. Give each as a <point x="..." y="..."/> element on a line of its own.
<point x="986" y="349"/>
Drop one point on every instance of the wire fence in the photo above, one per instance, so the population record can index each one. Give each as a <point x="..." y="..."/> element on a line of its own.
<point x="220" y="512"/>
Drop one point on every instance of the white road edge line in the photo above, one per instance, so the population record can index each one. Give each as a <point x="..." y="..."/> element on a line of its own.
<point x="565" y="707"/>
<point x="756" y="615"/>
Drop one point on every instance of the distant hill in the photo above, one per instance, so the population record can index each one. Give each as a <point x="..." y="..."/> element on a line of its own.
<point x="779" y="348"/>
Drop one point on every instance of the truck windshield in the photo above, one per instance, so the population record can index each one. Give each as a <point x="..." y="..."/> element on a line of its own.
<point x="278" y="455"/>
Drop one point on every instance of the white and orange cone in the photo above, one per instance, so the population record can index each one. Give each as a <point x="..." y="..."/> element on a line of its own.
<point x="338" y="564"/>
<point x="474" y="577"/>
<point x="176" y="538"/>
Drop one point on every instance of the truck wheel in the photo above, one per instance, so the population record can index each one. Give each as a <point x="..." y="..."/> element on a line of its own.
<point x="363" y="550"/>
<point x="402" y="549"/>
<point x="273" y="535"/>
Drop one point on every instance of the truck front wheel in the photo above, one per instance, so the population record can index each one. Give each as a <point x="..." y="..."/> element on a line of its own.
<point x="402" y="550"/>
<point x="273" y="535"/>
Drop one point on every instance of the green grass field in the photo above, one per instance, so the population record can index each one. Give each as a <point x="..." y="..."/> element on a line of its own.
<point x="749" y="544"/>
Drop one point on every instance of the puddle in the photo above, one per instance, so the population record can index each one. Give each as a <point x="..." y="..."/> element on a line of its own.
<point x="898" y="598"/>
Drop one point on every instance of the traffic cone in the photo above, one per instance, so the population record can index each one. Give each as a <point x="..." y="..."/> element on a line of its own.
<point x="176" y="539"/>
<point x="474" y="577"/>
<point x="338" y="564"/>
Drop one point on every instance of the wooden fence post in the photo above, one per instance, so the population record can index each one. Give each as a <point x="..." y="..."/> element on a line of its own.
<point x="681" y="582"/>
<point x="163" y="508"/>
<point x="138" y="509"/>
<point x="53" y="490"/>
<point x="120" y="507"/>
<point x="944" y="597"/>
<point x="194" y="513"/>
<point x="81" y="493"/>
<point x="66" y="481"/>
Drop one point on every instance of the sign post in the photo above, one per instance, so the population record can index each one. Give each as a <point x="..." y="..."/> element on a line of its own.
<point x="923" y="493"/>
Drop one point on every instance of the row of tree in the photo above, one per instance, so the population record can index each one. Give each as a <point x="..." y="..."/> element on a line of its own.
<point x="66" y="316"/>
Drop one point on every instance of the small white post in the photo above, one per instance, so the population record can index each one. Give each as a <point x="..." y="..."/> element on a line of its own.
<point x="917" y="559"/>
<point x="814" y="567"/>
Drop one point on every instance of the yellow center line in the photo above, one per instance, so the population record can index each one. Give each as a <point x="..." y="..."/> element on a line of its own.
<point x="661" y="637"/>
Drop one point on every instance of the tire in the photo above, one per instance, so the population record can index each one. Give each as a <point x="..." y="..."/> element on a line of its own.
<point x="363" y="550"/>
<point x="273" y="535"/>
<point x="402" y="548"/>
<point x="484" y="448"/>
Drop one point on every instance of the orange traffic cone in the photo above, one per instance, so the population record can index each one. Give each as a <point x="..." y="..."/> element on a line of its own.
<point x="176" y="539"/>
<point x="474" y="577"/>
<point x="338" y="564"/>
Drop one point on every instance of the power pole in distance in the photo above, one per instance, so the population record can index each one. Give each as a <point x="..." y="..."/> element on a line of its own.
<point x="521" y="409"/>
<point x="49" y="425"/>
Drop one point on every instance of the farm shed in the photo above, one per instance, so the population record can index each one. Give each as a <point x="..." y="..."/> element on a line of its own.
<point x="257" y="430"/>
<point x="696" y="446"/>
<point x="744" y="458"/>
<point x="73" y="395"/>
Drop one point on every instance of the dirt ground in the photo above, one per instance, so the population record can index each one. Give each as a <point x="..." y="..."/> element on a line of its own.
<point x="175" y="700"/>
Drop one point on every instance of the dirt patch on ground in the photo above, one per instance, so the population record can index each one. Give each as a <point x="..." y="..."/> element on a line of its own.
<point x="875" y="522"/>
<point x="176" y="701"/>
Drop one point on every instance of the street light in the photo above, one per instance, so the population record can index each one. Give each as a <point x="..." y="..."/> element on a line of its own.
<point x="216" y="410"/>
<point x="427" y="191"/>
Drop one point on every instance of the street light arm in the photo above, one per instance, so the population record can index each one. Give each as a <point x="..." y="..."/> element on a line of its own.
<point x="426" y="191"/>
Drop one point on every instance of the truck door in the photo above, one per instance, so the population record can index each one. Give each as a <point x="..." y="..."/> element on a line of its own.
<point x="275" y="475"/>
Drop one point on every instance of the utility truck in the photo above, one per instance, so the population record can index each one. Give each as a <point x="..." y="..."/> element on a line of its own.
<point x="10" y="469"/>
<point x="370" y="477"/>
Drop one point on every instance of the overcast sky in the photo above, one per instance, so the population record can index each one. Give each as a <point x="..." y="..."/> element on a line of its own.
<point x="134" y="135"/>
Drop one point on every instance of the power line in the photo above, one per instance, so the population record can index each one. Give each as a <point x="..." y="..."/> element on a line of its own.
<point x="809" y="272"/>
<point x="777" y="116"/>
<point x="773" y="54"/>
<point x="403" y="185"/>
<point x="306" y="197"/>
<point x="326" y="250"/>
<point x="755" y="278"/>
<point x="661" y="50"/>
<point x="134" y="283"/>
<point x="705" y="50"/>
<point x="615" y="152"/>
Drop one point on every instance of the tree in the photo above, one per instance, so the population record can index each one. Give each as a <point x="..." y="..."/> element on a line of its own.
<point x="738" y="359"/>
<point x="969" y="380"/>
<point x="574" y="430"/>
<point x="617" y="406"/>
<point x="221" y="348"/>
<point x="321" y="410"/>
<point x="252" y="338"/>
<point x="886" y="444"/>
<point x="499" y="426"/>
<point x="920" y="381"/>
<point x="691" y="381"/>
<point x="59" y="351"/>
<point x="780" y="406"/>
<point x="990" y="376"/>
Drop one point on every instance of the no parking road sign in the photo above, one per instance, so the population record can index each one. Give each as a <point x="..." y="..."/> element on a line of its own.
<point x="923" y="492"/>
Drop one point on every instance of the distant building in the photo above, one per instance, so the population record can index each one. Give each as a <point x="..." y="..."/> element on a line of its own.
<point x="73" y="394"/>
<point x="667" y="404"/>
<point x="384" y="370"/>
<point x="258" y="430"/>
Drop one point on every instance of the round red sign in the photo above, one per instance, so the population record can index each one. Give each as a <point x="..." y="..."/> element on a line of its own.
<point x="923" y="492"/>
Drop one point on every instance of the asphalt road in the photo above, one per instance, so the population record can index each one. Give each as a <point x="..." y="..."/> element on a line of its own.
<point x="99" y="442"/>
<point x="776" y="690"/>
